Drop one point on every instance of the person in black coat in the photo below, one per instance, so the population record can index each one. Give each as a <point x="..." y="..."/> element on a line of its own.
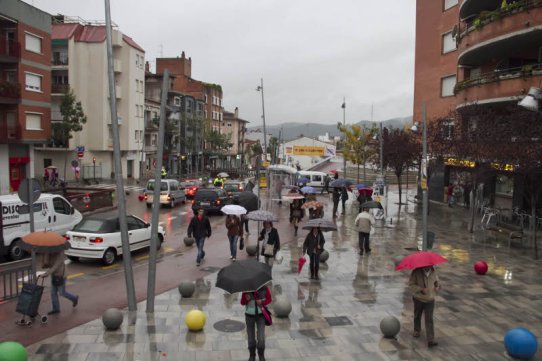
<point x="199" y="227"/>
<point x="270" y="236"/>
<point x="313" y="246"/>
<point x="344" y="197"/>
<point x="336" y="199"/>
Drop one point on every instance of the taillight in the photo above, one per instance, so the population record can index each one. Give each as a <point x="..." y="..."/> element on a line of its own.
<point x="96" y="240"/>
<point x="66" y="237"/>
<point x="218" y="201"/>
<point x="193" y="202"/>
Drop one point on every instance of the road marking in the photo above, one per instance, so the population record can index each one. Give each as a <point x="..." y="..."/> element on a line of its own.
<point x="109" y="267"/>
<point x="141" y="258"/>
<point x="172" y="217"/>
<point x="168" y="249"/>
<point x="74" y="275"/>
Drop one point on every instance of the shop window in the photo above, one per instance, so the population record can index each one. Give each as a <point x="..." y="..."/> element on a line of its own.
<point x="504" y="185"/>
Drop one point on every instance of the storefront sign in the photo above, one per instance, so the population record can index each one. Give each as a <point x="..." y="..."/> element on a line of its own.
<point x="308" y="150"/>
<point x="460" y="162"/>
<point x="503" y="167"/>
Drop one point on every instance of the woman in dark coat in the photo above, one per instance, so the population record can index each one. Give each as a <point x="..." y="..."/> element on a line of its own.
<point x="270" y="236"/>
<point x="313" y="246"/>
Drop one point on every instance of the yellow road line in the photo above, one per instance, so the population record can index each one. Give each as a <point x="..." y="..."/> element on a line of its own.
<point x="110" y="267"/>
<point x="141" y="258"/>
<point x="74" y="275"/>
<point x="168" y="249"/>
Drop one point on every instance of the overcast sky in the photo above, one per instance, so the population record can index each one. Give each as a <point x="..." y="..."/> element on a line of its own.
<point x="310" y="53"/>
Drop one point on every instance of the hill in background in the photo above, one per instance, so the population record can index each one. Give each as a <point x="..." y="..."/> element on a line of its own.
<point x="313" y="130"/>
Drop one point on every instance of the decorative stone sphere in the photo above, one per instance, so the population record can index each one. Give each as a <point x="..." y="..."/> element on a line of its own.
<point x="390" y="326"/>
<point x="188" y="241"/>
<point x="195" y="320"/>
<point x="187" y="289"/>
<point x="282" y="306"/>
<point x="324" y="256"/>
<point x="481" y="267"/>
<point x="112" y="318"/>
<point x="251" y="249"/>
<point x="12" y="351"/>
<point x="520" y="343"/>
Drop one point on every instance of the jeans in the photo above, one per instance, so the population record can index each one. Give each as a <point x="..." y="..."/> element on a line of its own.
<point x="55" y="290"/>
<point x="245" y="222"/>
<point x="201" y="253"/>
<point x="427" y="308"/>
<point x="233" y="245"/>
<point x="255" y="326"/>
<point x="335" y="206"/>
<point x="364" y="242"/>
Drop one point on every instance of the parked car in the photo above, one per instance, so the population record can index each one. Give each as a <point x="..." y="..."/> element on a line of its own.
<point x="210" y="199"/>
<point x="170" y="192"/>
<point x="98" y="237"/>
<point x="190" y="187"/>
<point x="233" y="188"/>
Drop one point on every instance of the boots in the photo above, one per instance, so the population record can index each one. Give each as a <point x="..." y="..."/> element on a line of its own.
<point x="316" y="268"/>
<point x="295" y="231"/>
<point x="261" y="354"/>
<point x="252" y="351"/>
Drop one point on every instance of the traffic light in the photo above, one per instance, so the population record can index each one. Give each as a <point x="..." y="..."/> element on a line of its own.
<point x="94" y="160"/>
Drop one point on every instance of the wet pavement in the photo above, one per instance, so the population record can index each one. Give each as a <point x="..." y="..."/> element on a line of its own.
<point x="338" y="317"/>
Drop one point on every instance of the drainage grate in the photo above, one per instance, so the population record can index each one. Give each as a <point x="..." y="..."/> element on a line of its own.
<point x="229" y="326"/>
<point x="338" y="321"/>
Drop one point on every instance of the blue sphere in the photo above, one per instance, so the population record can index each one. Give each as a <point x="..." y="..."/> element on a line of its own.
<point x="520" y="343"/>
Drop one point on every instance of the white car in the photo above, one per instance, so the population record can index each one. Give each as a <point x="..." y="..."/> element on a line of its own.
<point x="98" y="237"/>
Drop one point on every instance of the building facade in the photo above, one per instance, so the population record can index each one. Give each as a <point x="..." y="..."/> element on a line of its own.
<point x="25" y="83"/>
<point x="304" y="152"/>
<point x="235" y="129"/>
<point x="79" y="62"/>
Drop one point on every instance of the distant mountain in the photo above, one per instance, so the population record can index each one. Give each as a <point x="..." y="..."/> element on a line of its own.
<point x="313" y="130"/>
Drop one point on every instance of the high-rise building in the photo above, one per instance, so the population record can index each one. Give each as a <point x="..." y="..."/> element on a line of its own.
<point x="25" y="97"/>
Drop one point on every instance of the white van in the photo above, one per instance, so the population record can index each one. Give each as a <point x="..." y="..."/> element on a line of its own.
<point x="52" y="212"/>
<point x="316" y="179"/>
<point x="171" y="192"/>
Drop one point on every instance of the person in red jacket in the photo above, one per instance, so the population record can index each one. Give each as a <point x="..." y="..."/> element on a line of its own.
<point x="255" y="322"/>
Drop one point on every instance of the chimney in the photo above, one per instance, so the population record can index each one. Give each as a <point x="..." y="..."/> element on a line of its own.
<point x="147" y="67"/>
<point x="236" y="113"/>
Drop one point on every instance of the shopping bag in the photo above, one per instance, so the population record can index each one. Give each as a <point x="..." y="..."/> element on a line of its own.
<point x="267" y="315"/>
<point x="241" y="243"/>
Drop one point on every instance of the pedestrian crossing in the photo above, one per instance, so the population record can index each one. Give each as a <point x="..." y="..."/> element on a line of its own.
<point x="133" y="188"/>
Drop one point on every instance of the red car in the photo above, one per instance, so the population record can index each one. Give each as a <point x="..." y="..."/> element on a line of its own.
<point x="190" y="186"/>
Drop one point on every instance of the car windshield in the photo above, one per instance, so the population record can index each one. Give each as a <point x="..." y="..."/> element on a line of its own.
<point x="231" y="187"/>
<point x="188" y="184"/>
<point x="206" y="195"/>
<point x="94" y="226"/>
<point x="150" y="186"/>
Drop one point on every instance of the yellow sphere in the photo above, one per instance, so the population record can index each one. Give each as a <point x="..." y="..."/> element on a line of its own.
<point x="195" y="320"/>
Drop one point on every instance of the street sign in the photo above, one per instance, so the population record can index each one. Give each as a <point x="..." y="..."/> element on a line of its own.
<point x="24" y="191"/>
<point x="75" y="163"/>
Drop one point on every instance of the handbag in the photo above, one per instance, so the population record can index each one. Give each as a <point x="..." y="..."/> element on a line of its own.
<point x="241" y="243"/>
<point x="57" y="281"/>
<point x="265" y="312"/>
<point x="269" y="250"/>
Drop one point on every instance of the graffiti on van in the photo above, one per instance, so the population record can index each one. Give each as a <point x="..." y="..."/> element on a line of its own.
<point x="14" y="211"/>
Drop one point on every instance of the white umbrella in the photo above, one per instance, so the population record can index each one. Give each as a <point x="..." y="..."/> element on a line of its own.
<point x="262" y="216"/>
<point x="234" y="209"/>
<point x="223" y="175"/>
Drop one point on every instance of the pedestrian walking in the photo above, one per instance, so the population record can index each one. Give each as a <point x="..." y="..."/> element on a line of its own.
<point x="271" y="242"/>
<point x="235" y="230"/>
<point x="325" y="188"/>
<point x="296" y="214"/>
<point x="56" y="268"/>
<point x="344" y="197"/>
<point x="364" y="222"/>
<point x="244" y="222"/>
<point x="278" y="188"/>
<point x="336" y="198"/>
<point x="45" y="176"/>
<point x="255" y="321"/>
<point x="200" y="228"/>
<point x="424" y="285"/>
<point x="313" y="246"/>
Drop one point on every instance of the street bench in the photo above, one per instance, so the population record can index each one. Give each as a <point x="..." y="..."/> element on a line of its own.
<point x="514" y="232"/>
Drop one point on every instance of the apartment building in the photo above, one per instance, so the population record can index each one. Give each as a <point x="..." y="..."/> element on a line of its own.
<point x="25" y="98"/>
<point x="476" y="53"/>
<point x="235" y="129"/>
<point x="79" y="62"/>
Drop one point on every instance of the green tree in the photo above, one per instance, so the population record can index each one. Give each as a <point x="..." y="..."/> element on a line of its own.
<point x="73" y="119"/>
<point x="357" y="145"/>
<point x="272" y="148"/>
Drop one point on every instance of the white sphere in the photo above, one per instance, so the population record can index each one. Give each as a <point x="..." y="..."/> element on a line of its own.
<point x="282" y="306"/>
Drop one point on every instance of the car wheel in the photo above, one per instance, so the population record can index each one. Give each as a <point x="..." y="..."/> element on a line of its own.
<point x="172" y="203"/>
<point x="109" y="257"/>
<point x="16" y="253"/>
<point x="73" y="258"/>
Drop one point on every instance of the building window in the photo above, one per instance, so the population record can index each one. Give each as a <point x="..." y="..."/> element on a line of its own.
<point x="32" y="43"/>
<point x="229" y="124"/>
<point x="177" y="101"/>
<point x="450" y="3"/>
<point x="447" y="85"/>
<point x="205" y="98"/>
<point x="33" y="121"/>
<point x="448" y="43"/>
<point x="33" y="82"/>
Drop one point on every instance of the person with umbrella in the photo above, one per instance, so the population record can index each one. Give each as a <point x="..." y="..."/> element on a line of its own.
<point x="296" y="213"/>
<point x="313" y="246"/>
<point x="56" y="268"/>
<point x="424" y="285"/>
<point x="200" y="227"/>
<point x="364" y="222"/>
<point x="255" y="321"/>
<point x="325" y="188"/>
<point x="271" y="242"/>
<point x="344" y="197"/>
<point x="336" y="198"/>
<point x="235" y="230"/>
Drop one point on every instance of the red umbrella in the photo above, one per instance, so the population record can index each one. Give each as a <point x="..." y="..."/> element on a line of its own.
<point x="300" y="263"/>
<point x="420" y="259"/>
<point x="334" y="171"/>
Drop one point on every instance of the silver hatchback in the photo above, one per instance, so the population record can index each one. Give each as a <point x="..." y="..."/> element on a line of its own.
<point x="171" y="192"/>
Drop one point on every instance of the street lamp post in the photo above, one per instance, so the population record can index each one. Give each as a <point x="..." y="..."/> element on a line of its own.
<point x="260" y="89"/>
<point x="423" y="175"/>
<point x="344" y="124"/>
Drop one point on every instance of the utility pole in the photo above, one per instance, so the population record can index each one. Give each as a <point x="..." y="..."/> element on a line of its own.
<point x="344" y="144"/>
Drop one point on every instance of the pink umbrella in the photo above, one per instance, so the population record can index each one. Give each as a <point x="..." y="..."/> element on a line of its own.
<point x="420" y="259"/>
<point x="300" y="263"/>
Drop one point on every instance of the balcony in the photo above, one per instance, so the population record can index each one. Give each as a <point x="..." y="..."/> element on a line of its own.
<point x="60" y="60"/>
<point x="10" y="50"/>
<point x="59" y="89"/>
<point x="9" y="91"/>
<point x="117" y="66"/>
<point x="498" y="86"/>
<point x="492" y="33"/>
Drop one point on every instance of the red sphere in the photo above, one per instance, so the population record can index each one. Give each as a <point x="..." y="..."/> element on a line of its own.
<point x="480" y="267"/>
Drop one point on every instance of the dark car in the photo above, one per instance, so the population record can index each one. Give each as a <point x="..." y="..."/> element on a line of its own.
<point x="210" y="199"/>
<point x="233" y="188"/>
<point x="190" y="186"/>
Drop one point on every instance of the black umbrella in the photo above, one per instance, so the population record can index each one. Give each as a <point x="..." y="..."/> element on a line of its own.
<point x="372" y="204"/>
<point x="244" y="276"/>
<point x="323" y="224"/>
<point x="249" y="200"/>
<point x="340" y="183"/>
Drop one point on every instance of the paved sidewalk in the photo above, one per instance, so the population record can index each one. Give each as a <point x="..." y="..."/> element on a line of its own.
<point x="338" y="317"/>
